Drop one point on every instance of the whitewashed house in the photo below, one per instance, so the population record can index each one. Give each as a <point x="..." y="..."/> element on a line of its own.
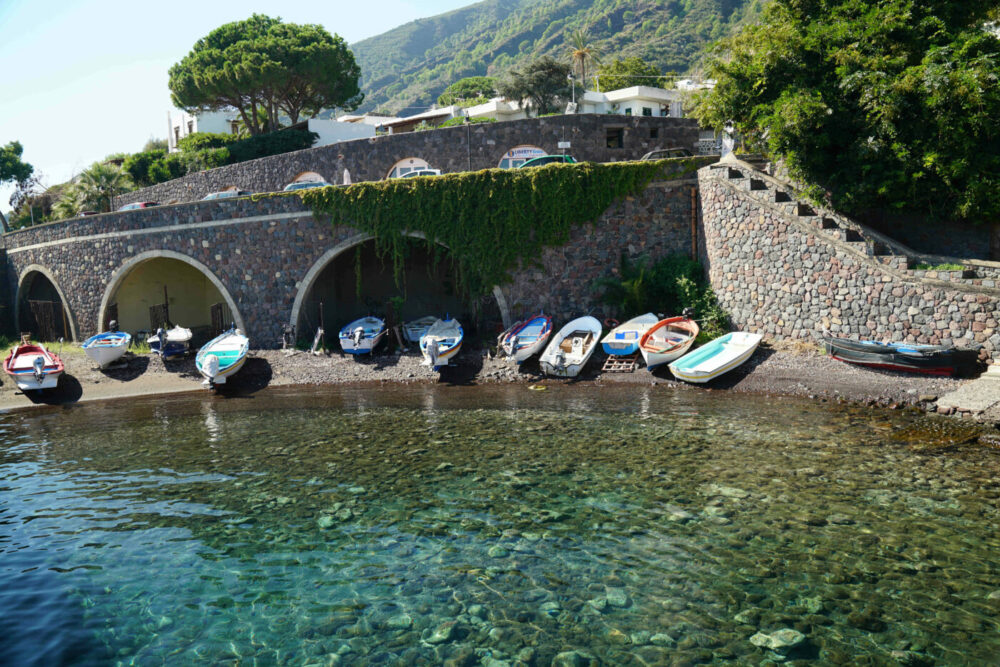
<point x="330" y="131"/>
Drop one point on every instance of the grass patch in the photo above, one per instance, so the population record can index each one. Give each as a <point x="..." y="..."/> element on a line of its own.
<point x="939" y="267"/>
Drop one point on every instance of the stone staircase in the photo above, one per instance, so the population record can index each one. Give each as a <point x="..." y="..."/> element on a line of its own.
<point x="898" y="259"/>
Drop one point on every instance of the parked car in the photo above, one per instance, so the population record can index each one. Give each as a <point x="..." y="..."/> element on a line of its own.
<point x="305" y="185"/>
<point x="137" y="205"/>
<point x="548" y="159"/>
<point x="421" y="172"/>
<point x="226" y="194"/>
<point x="664" y="153"/>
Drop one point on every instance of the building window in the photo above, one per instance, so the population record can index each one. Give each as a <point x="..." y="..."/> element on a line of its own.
<point x="177" y="135"/>
<point x="616" y="137"/>
<point x="646" y="111"/>
<point x="190" y="127"/>
<point x="234" y="127"/>
<point x="628" y="112"/>
<point x="654" y="133"/>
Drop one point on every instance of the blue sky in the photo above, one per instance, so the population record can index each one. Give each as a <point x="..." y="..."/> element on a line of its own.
<point x="83" y="79"/>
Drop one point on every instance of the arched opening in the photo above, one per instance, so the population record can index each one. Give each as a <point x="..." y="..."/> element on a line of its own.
<point x="518" y="155"/>
<point x="163" y="288"/>
<point x="41" y="307"/>
<point x="306" y="177"/>
<point x="330" y="296"/>
<point x="406" y="165"/>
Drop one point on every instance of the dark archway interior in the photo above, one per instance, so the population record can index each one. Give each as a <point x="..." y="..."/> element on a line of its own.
<point x="425" y="289"/>
<point x="41" y="310"/>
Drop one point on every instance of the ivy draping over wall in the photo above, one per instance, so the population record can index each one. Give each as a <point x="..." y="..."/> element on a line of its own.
<point x="490" y="221"/>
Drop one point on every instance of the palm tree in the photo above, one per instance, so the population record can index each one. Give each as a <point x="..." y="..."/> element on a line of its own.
<point x="583" y="53"/>
<point x="70" y="203"/>
<point x="101" y="182"/>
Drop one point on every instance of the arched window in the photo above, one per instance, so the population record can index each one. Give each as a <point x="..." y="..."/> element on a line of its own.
<point x="518" y="155"/>
<point x="406" y="165"/>
<point x="308" y="177"/>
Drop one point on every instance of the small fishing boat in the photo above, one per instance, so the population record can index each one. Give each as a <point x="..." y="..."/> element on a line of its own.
<point x="926" y="359"/>
<point x="178" y="340"/>
<point x="526" y="338"/>
<point x="667" y="340"/>
<point x="414" y="330"/>
<point x="624" y="339"/>
<point x="362" y="335"/>
<point x="222" y="357"/>
<point x="107" y="347"/>
<point x="441" y="343"/>
<point x="716" y="357"/>
<point x="32" y="367"/>
<point x="569" y="350"/>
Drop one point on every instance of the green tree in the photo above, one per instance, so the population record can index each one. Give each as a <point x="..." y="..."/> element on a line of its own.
<point x="889" y="105"/>
<point x="542" y="84"/>
<point x="71" y="201"/>
<point x="583" y="53"/>
<point x="262" y="67"/>
<point x="99" y="183"/>
<point x="469" y="91"/>
<point x="12" y="168"/>
<point x="633" y="71"/>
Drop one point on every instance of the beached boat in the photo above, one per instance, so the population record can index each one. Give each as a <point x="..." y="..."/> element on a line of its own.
<point x="526" y="338"/>
<point x="926" y="359"/>
<point x="107" y="347"/>
<point x="624" y="339"/>
<point x="414" y="330"/>
<point x="222" y="357"/>
<point x="569" y="350"/>
<point x="32" y="367"/>
<point x="178" y="340"/>
<point x="667" y="340"/>
<point x="716" y="357"/>
<point x="441" y="343"/>
<point x="362" y="335"/>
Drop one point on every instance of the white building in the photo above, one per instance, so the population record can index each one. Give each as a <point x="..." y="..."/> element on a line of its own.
<point x="498" y="108"/>
<point x="330" y="131"/>
<point x="634" y="101"/>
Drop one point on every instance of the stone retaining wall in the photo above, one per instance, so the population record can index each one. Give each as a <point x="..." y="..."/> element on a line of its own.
<point x="779" y="275"/>
<point x="261" y="253"/>
<point x="465" y="148"/>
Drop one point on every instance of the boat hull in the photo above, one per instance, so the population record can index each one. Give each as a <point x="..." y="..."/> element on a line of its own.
<point x="923" y="359"/>
<point x="222" y="357"/>
<point x="373" y="331"/>
<point x="106" y="348"/>
<point x="569" y="350"/>
<point x="527" y="338"/>
<point x="716" y="357"/>
<point x="20" y="366"/>
<point x="624" y="339"/>
<point x="668" y="340"/>
<point x="441" y="343"/>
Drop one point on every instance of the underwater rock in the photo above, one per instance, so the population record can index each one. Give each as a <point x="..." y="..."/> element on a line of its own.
<point x="662" y="639"/>
<point x="725" y="491"/>
<point x="867" y="619"/>
<point x="400" y="622"/>
<point x="617" y="597"/>
<point x="497" y="551"/>
<point x="443" y="633"/>
<point x="573" y="659"/>
<point x="780" y="641"/>
<point x="550" y="608"/>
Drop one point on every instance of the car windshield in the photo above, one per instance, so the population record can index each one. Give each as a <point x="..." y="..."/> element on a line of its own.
<point x="303" y="186"/>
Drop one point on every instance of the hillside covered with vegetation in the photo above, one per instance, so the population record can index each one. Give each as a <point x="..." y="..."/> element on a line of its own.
<point x="404" y="70"/>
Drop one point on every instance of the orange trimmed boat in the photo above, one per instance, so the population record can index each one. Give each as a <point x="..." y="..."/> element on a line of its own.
<point x="33" y="367"/>
<point x="667" y="340"/>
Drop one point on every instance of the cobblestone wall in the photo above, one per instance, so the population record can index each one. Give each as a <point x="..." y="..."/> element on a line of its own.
<point x="261" y="252"/>
<point x="465" y="148"/>
<point x="778" y="274"/>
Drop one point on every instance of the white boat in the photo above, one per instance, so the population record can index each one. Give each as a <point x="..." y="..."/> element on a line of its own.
<point x="178" y="339"/>
<point x="716" y="357"/>
<point x="362" y="335"/>
<point x="222" y="357"/>
<point x="526" y="338"/>
<point x="414" y="330"/>
<point x="441" y="343"/>
<point x="624" y="339"/>
<point x="667" y="340"/>
<point x="33" y="367"/>
<point x="107" y="347"/>
<point x="569" y="350"/>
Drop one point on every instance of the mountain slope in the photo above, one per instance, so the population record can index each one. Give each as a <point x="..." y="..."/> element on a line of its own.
<point x="410" y="65"/>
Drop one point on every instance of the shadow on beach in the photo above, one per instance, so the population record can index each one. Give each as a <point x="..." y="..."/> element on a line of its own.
<point x="69" y="390"/>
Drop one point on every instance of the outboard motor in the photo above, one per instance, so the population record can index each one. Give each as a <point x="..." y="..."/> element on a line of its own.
<point x="432" y="351"/>
<point x="39" y="366"/>
<point x="688" y="313"/>
<point x="211" y="369"/>
<point x="161" y="338"/>
<point x="113" y="325"/>
<point x="357" y="335"/>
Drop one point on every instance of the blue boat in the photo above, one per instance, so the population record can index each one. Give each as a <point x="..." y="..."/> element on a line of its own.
<point x="716" y="357"/>
<point x="526" y="338"/>
<point x="171" y="344"/>
<point x="107" y="347"/>
<point x="361" y="336"/>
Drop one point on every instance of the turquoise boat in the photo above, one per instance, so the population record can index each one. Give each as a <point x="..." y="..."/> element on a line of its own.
<point x="222" y="357"/>
<point x="716" y="357"/>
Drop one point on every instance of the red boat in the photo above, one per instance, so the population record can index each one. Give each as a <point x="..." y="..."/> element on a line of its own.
<point x="33" y="367"/>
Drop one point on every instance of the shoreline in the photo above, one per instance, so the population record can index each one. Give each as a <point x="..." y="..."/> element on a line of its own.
<point x="776" y="369"/>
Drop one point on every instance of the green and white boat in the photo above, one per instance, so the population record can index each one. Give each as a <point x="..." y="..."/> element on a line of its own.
<point x="716" y="357"/>
<point x="222" y="357"/>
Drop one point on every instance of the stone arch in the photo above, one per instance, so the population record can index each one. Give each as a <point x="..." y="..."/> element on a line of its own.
<point x="23" y="286"/>
<point x="118" y="277"/>
<point x="519" y="154"/>
<point x="305" y="286"/>
<point x="308" y="177"/>
<point x="407" y="164"/>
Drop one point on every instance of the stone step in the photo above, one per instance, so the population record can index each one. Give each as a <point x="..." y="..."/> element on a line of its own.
<point x="734" y="173"/>
<point x="826" y="223"/>
<point x="901" y="262"/>
<point x="860" y="246"/>
<point x="757" y="184"/>
<point x="781" y="197"/>
<point x="803" y="210"/>
<point x="848" y="235"/>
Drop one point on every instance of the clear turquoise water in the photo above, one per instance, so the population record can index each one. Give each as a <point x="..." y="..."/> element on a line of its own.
<point x="632" y="525"/>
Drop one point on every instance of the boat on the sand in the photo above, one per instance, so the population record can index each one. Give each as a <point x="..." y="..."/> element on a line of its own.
<point x="716" y="357"/>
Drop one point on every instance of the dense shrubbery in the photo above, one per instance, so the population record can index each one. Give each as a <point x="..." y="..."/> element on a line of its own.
<point x="452" y="122"/>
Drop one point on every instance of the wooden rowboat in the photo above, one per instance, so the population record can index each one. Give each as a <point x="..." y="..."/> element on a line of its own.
<point x="624" y="339"/>
<point x="107" y="347"/>
<point x="526" y="338"/>
<point x="33" y="368"/>
<point x="926" y="359"/>
<point x="667" y="340"/>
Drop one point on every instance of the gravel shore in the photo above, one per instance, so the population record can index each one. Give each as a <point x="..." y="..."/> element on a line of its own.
<point x="775" y="369"/>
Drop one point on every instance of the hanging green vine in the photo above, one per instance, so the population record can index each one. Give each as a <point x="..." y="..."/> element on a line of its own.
<point x="490" y="221"/>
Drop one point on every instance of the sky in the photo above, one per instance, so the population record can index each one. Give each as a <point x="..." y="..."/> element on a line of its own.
<point x="82" y="79"/>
